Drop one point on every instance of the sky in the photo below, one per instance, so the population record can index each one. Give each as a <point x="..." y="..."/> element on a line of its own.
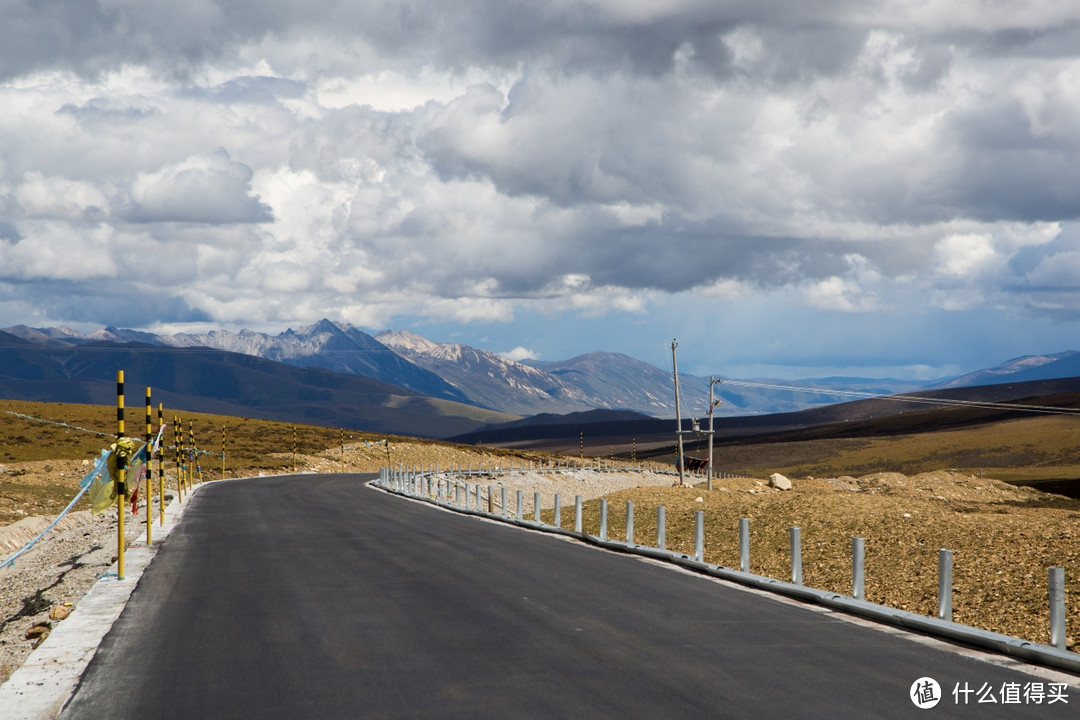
<point x="884" y="188"/>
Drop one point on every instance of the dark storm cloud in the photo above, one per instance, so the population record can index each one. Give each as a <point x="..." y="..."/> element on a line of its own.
<point x="89" y="302"/>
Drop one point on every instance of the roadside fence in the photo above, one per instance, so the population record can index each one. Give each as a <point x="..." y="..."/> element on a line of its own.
<point x="107" y="483"/>
<point x="455" y="489"/>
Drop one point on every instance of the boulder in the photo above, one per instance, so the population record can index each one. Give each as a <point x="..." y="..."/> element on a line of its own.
<point x="779" y="482"/>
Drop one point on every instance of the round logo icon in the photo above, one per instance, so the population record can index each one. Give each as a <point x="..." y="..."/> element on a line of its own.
<point x="925" y="693"/>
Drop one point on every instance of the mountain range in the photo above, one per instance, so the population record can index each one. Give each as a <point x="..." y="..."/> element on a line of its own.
<point x="200" y="379"/>
<point x="457" y="384"/>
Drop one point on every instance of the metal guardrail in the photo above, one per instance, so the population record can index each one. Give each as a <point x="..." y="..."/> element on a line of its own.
<point x="425" y="486"/>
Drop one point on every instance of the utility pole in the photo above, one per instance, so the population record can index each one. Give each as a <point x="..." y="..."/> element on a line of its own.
<point x="679" y="459"/>
<point x="712" y="406"/>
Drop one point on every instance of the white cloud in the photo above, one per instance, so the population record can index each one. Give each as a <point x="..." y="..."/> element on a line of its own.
<point x="967" y="255"/>
<point x="59" y="198"/>
<point x="519" y="353"/>
<point x="837" y="293"/>
<point x="201" y="189"/>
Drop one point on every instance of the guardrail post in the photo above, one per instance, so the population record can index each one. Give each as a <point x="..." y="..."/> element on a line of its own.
<point x="491" y="500"/>
<point x="796" y="555"/>
<point x="536" y="506"/>
<point x="1057" y="607"/>
<point x="858" y="568"/>
<point x="945" y="575"/>
<point x="629" y="522"/>
<point x="438" y="491"/>
<point x="503" y="499"/>
<point x="577" y="513"/>
<point x="661" y="527"/>
<point x="518" y="504"/>
<point x="744" y="544"/>
<point x="476" y="507"/>
<point x="603" y="518"/>
<point x="457" y="494"/>
<point x="558" y="511"/>
<point x="699" y="536"/>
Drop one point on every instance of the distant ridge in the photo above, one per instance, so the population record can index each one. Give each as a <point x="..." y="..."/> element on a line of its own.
<point x="334" y="346"/>
<point x="1021" y="369"/>
<point x="860" y="418"/>
<point x="490" y="380"/>
<point x="203" y="379"/>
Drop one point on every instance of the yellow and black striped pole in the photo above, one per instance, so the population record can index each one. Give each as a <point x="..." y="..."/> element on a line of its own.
<point x="294" y="449"/>
<point x="342" y="432"/>
<point x="149" y="471"/>
<point x="223" y="451"/>
<point x="121" y="471"/>
<point x="161" y="465"/>
<point x="193" y="456"/>
<point x="178" y="435"/>
<point x="189" y="457"/>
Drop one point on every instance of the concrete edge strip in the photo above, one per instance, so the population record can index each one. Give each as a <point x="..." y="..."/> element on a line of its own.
<point x="43" y="684"/>
<point x="1026" y="650"/>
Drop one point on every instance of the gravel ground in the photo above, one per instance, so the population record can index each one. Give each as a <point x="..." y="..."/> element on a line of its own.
<point x="56" y="573"/>
<point x="589" y="484"/>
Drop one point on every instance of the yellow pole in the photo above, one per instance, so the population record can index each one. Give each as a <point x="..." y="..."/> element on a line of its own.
<point x="178" y="438"/>
<point x="342" y="431"/>
<point x="294" y="449"/>
<point x="223" y="451"/>
<point x="149" y="471"/>
<point x="161" y="465"/>
<point x="121" y="471"/>
<point x="191" y="454"/>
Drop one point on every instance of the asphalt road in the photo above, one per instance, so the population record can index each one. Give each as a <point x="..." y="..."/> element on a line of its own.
<point x="318" y="597"/>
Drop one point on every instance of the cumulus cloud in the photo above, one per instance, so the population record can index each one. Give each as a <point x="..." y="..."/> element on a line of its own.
<point x="205" y="189"/>
<point x="464" y="161"/>
<point x="519" y="354"/>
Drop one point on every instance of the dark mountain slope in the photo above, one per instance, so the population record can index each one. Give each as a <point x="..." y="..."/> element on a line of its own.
<point x="200" y="379"/>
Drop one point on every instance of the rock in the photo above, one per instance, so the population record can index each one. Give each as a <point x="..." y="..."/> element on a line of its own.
<point x="39" y="630"/>
<point x="779" y="482"/>
<point x="59" y="612"/>
<point x="699" y="499"/>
